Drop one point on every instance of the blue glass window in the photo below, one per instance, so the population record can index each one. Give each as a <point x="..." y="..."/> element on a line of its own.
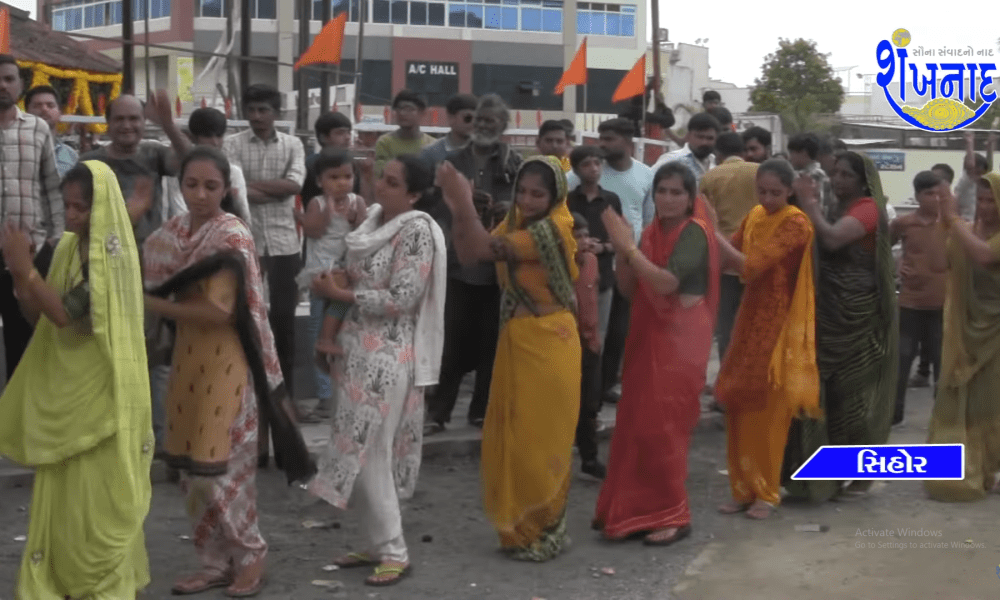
<point x="75" y="19"/>
<point x="531" y="19"/>
<point x="435" y="14"/>
<point x="552" y="20"/>
<point x="116" y="12"/>
<point x="597" y="23"/>
<point x="474" y="16"/>
<point x="210" y="8"/>
<point x="163" y="9"/>
<point x="138" y="10"/>
<point x="267" y="9"/>
<point x="418" y="13"/>
<point x="58" y="21"/>
<point x="494" y="18"/>
<point x="88" y="16"/>
<point x="509" y="18"/>
<point x="614" y="24"/>
<point x="399" y="12"/>
<point x="456" y="15"/>
<point x="628" y="25"/>
<point x="583" y="22"/>
<point x="380" y="11"/>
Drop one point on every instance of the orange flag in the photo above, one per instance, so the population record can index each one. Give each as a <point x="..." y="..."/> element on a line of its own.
<point x="327" y="45"/>
<point x="634" y="82"/>
<point x="576" y="74"/>
<point x="4" y="31"/>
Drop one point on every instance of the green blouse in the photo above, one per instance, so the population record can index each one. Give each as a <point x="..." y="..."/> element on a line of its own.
<point x="689" y="261"/>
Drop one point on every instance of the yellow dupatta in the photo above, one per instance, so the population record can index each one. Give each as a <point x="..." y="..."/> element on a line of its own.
<point x="793" y="368"/>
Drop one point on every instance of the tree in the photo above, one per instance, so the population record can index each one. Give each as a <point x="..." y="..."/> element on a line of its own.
<point x="797" y="83"/>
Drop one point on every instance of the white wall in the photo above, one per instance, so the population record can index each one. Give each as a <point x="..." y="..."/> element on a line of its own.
<point x="898" y="185"/>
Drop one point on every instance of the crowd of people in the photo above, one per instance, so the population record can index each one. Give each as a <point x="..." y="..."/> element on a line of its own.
<point x="158" y="285"/>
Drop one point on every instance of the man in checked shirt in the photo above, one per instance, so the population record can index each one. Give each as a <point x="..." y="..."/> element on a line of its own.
<point x="274" y="164"/>
<point x="29" y="196"/>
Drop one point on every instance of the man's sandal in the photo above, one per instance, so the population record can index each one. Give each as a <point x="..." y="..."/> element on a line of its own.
<point x="388" y="573"/>
<point x="355" y="559"/>
<point x="200" y="582"/>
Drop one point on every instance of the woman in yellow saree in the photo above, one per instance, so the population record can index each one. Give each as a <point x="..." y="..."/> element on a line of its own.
<point x="530" y="425"/>
<point x="967" y="407"/>
<point x="77" y="408"/>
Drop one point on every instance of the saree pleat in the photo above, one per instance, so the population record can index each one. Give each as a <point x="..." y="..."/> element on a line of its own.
<point x="967" y="407"/>
<point x="856" y="346"/>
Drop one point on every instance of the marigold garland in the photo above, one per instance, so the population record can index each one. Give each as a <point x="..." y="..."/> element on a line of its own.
<point x="79" y="101"/>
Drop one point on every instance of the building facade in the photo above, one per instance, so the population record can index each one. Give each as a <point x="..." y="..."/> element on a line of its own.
<point x="516" y="48"/>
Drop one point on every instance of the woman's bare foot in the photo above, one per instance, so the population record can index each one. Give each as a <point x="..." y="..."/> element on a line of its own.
<point x="249" y="582"/>
<point x="732" y="507"/>
<point x="760" y="510"/>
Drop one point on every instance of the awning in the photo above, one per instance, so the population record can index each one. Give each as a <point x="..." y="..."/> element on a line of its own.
<point x="867" y="142"/>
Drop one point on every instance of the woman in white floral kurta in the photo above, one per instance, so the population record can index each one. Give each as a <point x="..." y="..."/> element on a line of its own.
<point x="391" y="339"/>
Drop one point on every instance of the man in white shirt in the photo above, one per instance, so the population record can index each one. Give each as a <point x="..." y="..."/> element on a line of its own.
<point x="632" y="181"/>
<point x="974" y="167"/>
<point x="697" y="153"/>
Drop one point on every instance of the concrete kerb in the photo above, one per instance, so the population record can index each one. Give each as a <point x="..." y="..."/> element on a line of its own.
<point x="13" y="476"/>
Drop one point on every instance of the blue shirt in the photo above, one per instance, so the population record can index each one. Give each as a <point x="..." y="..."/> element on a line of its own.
<point x="634" y="188"/>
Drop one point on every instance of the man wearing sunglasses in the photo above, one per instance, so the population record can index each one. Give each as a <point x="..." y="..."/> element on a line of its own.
<point x="461" y="116"/>
<point x="408" y="109"/>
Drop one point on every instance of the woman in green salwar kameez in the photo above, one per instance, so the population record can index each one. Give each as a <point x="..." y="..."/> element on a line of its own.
<point x="77" y="407"/>
<point x="856" y="324"/>
<point x="967" y="407"/>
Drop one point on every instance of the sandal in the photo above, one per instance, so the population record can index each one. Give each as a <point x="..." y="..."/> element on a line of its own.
<point x="679" y="534"/>
<point x="731" y="508"/>
<point x="760" y="510"/>
<point x="355" y="559"/>
<point x="200" y="582"/>
<point x="394" y="570"/>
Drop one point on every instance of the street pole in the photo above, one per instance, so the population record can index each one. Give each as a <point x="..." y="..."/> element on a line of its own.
<point x="655" y="13"/>
<point x="145" y="42"/>
<point x="324" y="80"/>
<point x="246" y="25"/>
<point x="128" y="49"/>
<point x="302" y="110"/>
<point x="359" y="57"/>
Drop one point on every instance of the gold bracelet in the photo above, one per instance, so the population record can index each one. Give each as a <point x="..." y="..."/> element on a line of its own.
<point x="631" y="254"/>
<point x="33" y="276"/>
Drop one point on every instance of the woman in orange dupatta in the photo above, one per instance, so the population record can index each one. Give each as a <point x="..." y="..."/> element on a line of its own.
<point x="769" y="374"/>
<point x="672" y="279"/>
<point x="534" y="405"/>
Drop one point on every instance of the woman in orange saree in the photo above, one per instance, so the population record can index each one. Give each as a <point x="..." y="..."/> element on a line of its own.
<point x="672" y="278"/>
<point x="769" y="374"/>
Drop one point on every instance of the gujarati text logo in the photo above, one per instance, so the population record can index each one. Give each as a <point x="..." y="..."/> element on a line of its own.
<point x="946" y="110"/>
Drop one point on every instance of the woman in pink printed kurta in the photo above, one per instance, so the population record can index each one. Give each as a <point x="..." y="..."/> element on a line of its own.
<point x="391" y="339"/>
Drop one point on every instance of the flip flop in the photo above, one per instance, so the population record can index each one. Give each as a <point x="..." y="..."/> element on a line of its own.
<point x="682" y="532"/>
<point x="399" y="571"/>
<point x="208" y="582"/>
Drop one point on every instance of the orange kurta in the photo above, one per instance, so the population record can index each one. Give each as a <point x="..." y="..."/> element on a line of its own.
<point x="759" y="411"/>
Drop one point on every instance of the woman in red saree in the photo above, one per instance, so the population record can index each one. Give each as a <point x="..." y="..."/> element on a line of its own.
<point x="672" y="279"/>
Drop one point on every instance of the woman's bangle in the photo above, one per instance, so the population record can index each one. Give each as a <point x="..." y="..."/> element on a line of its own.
<point x="632" y="253"/>
<point x="33" y="276"/>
